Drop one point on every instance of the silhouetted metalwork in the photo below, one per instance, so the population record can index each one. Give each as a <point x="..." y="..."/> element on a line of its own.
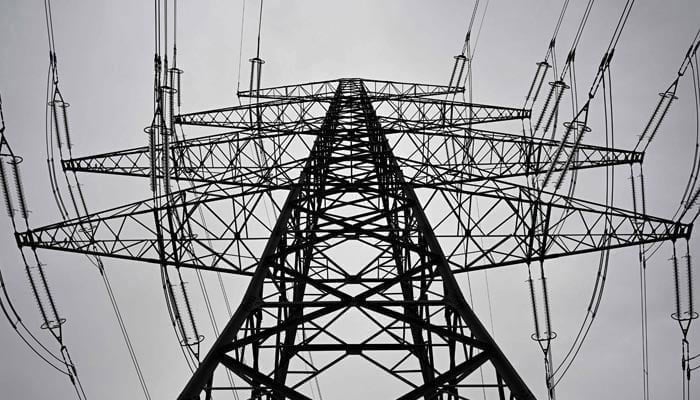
<point x="351" y="202"/>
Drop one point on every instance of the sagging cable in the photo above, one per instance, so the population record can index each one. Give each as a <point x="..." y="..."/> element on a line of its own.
<point x="668" y="96"/>
<point x="58" y="131"/>
<point x="550" y="109"/>
<point x="543" y="66"/>
<point x="34" y="268"/>
<point x="5" y="300"/>
<point x="604" y="260"/>
<point x="691" y="192"/>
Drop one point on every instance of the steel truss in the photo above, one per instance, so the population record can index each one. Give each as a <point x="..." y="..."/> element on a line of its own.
<point x="351" y="170"/>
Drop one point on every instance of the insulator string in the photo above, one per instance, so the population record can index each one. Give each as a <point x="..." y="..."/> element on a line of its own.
<point x="166" y="133"/>
<point x="597" y="294"/>
<point x="59" y="130"/>
<point x="691" y="192"/>
<point x="34" y="270"/>
<point x="684" y="309"/>
<point x="544" y="65"/>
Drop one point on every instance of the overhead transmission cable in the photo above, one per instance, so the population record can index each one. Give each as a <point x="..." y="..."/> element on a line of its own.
<point x="602" y="76"/>
<point x="684" y="312"/>
<point x="261" y="154"/>
<point x="160" y="137"/>
<point x="550" y="109"/>
<point x="639" y="200"/>
<point x="481" y="25"/>
<point x="577" y="128"/>
<point x="601" y="275"/>
<point x="13" y="318"/>
<point x="684" y="309"/>
<point x="691" y="193"/>
<point x="57" y="127"/>
<point x="542" y="66"/>
<point x="34" y="269"/>
<point x="684" y="290"/>
<point x="464" y="59"/>
<point x="544" y="333"/>
<point x="174" y="75"/>
<point x="6" y="303"/>
<point x="463" y="144"/>
<point x="240" y="51"/>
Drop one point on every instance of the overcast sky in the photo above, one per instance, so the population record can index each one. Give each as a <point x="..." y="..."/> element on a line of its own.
<point x="105" y="61"/>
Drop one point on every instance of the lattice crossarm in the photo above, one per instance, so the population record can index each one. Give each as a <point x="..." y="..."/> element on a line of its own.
<point x="420" y="114"/>
<point x="500" y="158"/>
<point x="271" y="160"/>
<point x="376" y="89"/>
<point x="514" y="226"/>
<point x="129" y="232"/>
<point x="277" y="115"/>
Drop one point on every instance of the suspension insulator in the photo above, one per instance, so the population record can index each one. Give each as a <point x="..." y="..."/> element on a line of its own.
<point x="66" y="129"/>
<point x="152" y="156"/>
<point x="179" y="87"/>
<point x="42" y="295"/>
<point x="59" y="115"/>
<point x="541" y="316"/>
<point x="457" y="71"/>
<point x="557" y="155"/>
<point x="56" y="125"/>
<point x="642" y="194"/>
<point x="579" y="129"/>
<point x="659" y="113"/>
<point x="175" y="80"/>
<point x="256" y="74"/>
<point x="537" y="81"/>
<point x="561" y="179"/>
<point x="693" y="200"/>
<point x="683" y="284"/>
<point x="184" y="316"/>
<point x="559" y="87"/>
<point x="545" y="107"/>
<point x="6" y="190"/>
<point x="533" y="302"/>
<point x="545" y="295"/>
<point x="551" y="104"/>
<point x="19" y="187"/>
<point x="635" y="196"/>
<point x="676" y="281"/>
<point x="165" y="153"/>
<point x="689" y="269"/>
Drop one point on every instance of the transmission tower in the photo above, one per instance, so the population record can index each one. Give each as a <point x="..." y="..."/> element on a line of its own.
<point x="321" y="193"/>
<point x="353" y="206"/>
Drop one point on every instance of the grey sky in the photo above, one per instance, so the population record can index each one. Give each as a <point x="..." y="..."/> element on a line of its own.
<point x="105" y="51"/>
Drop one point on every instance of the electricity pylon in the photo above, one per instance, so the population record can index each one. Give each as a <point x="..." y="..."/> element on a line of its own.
<point x="322" y="193"/>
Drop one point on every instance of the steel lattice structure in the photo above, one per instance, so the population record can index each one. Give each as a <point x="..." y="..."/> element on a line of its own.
<point x="371" y="186"/>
